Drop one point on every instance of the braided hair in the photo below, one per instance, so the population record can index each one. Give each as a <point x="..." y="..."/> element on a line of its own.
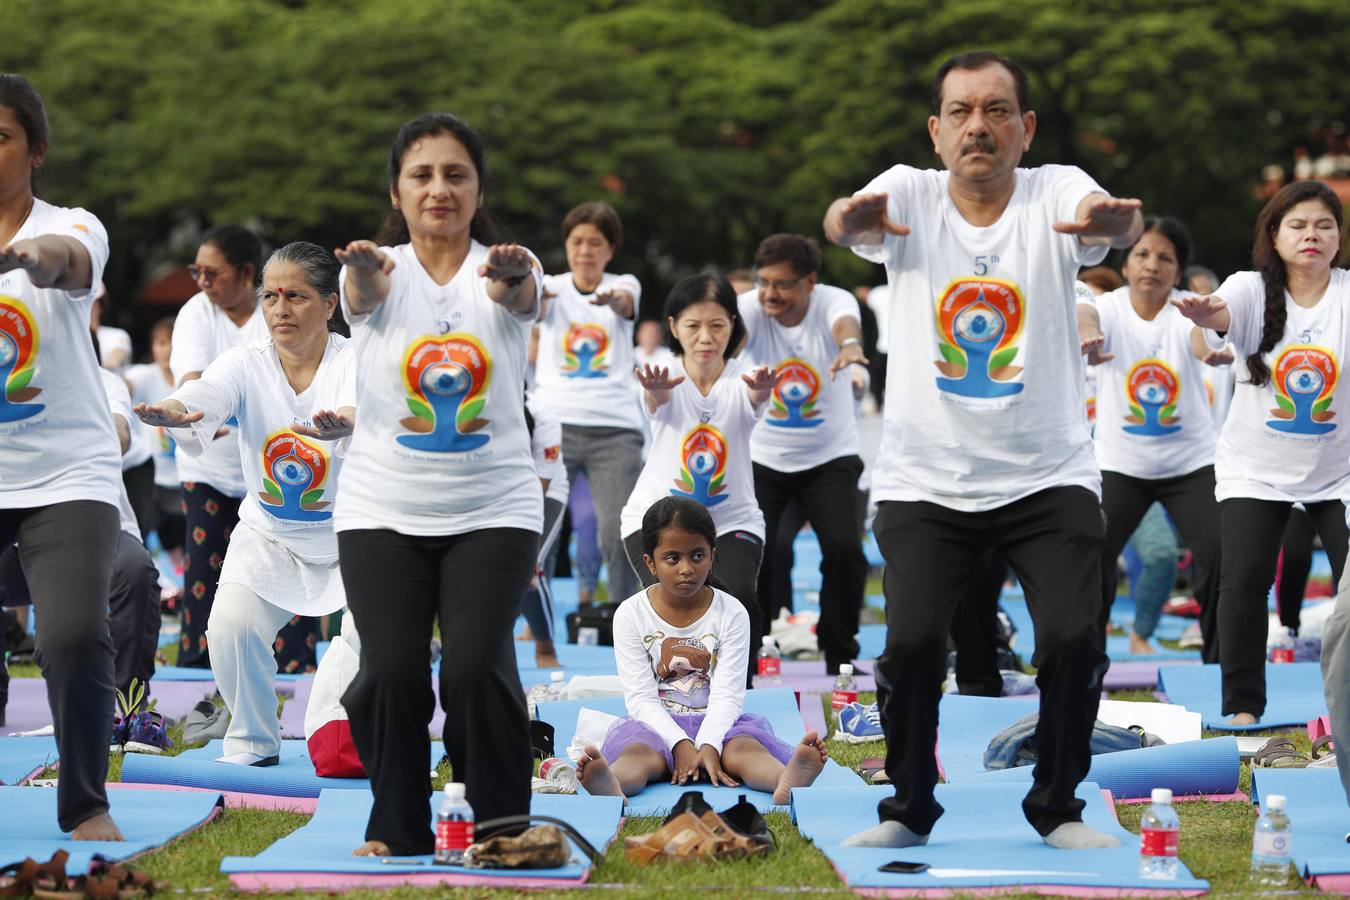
<point x="1268" y="262"/>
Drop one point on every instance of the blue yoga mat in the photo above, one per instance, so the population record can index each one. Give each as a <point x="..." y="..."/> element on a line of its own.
<point x="577" y="659"/>
<point x="1169" y="628"/>
<point x="983" y="832"/>
<point x="326" y="842"/>
<point x="23" y="757"/>
<point x="1293" y="694"/>
<point x="1117" y="646"/>
<point x="148" y="819"/>
<point x="871" y="641"/>
<point x="777" y="705"/>
<point x="292" y="777"/>
<point x="967" y="724"/>
<point x="1317" y="810"/>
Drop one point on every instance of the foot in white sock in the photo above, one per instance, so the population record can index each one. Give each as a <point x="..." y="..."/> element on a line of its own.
<point x="887" y="834"/>
<point x="1077" y="836"/>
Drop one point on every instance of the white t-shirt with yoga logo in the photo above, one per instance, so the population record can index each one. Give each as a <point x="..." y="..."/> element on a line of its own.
<point x="441" y="445"/>
<point x="292" y="479"/>
<point x="1153" y="413"/>
<point x="584" y="370"/>
<point x="984" y="389"/>
<point x="546" y="450"/>
<point x="149" y="385"/>
<point x="700" y="449"/>
<point x="810" y="419"/>
<point x="201" y="333"/>
<point x="699" y="668"/>
<point x="119" y="404"/>
<point x="57" y="441"/>
<point x="1288" y="440"/>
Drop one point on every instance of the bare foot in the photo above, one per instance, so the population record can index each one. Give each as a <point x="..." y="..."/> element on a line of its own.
<point x="372" y="848"/>
<point x="595" y="775"/>
<point x="1140" y="646"/>
<point x="526" y="635"/>
<point x="546" y="656"/>
<point x="585" y="597"/>
<point x="1243" y="719"/>
<point x="100" y="828"/>
<point x="808" y="758"/>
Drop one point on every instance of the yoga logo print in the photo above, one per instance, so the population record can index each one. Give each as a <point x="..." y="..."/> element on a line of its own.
<point x="294" y="471"/>
<point x="794" y="397"/>
<point x="704" y="457"/>
<point x="979" y="320"/>
<point x="18" y="353"/>
<point x="1304" y="380"/>
<point x="1151" y="390"/>
<point x="447" y="379"/>
<point x="585" y="351"/>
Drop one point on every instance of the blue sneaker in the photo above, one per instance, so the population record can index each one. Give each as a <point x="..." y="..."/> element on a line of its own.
<point x="858" y="724"/>
<point x="147" y="733"/>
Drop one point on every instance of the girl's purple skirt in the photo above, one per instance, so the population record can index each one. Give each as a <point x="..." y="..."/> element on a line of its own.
<point x="626" y="732"/>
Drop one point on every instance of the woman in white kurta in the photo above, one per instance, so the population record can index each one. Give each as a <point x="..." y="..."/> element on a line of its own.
<point x="702" y="413"/>
<point x="293" y="394"/>
<point x="1285" y="440"/>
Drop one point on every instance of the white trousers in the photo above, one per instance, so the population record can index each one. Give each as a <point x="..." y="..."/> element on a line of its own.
<point x="240" y="634"/>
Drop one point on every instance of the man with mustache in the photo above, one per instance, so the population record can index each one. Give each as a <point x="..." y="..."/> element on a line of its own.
<point x="985" y="442"/>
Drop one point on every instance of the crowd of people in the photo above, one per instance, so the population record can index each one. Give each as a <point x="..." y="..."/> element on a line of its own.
<point x="1040" y="412"/>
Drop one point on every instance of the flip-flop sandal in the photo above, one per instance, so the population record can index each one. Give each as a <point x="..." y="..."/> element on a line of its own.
<point x="49" y="879"/>
<point x="117" y="883"/>
<point x="1322" y="754"/>
<point x="1279" y="753"/>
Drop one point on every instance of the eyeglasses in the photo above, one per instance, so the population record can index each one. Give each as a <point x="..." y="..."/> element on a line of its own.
<point x="777" y="286"/>
<point x="200" y="273"/>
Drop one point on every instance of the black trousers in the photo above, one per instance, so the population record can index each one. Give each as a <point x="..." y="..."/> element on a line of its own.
<point x="783" y="555"/>
<point x="133" y="612"/>
<point x="398" y="587"/>
<point x="210" y="517"/>
<point x="1252" y="530"/>
<point x="140" y="484"/>
<point x="1189" y="501"/>
<point x="1291" y="572"/>
<point x="736" y="566"/>
<point x="975" y="629"/>
<point x="828" y="494"/>
<point x="1053" y="542"/>
<point x="67" y="552"/>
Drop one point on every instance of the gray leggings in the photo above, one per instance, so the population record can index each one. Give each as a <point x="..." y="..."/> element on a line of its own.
<point x="67" y="550"/>
<point x="612" y="461"/>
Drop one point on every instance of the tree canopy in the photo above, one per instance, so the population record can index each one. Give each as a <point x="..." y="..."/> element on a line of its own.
<point x="709" y="125"/>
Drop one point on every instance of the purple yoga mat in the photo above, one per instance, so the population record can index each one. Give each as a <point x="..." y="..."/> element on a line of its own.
<point x="1136" y="676"/>
<point x="28" y="709"/>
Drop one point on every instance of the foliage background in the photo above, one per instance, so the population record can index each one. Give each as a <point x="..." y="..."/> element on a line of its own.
<point x="708" y="123"/>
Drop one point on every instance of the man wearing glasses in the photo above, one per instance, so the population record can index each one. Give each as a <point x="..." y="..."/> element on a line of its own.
<point x="806" y="446"/>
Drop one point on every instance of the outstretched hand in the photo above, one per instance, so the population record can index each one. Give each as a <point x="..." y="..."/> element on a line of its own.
<point x="1105" y="217"/>
<point x="1091" y="346"/>
<point x="1222" y="357"/>
<point x="18" y="255"/>
<point x="328" y="425"/>
<point x="849" y="355"/>
<point x="365" y="256"/>
<point x="762" y="379"/>
<point x="656" y="379"/>
<point x="867" y="213"/>
<point x="165" y="416"/>
<point x="508" y="263"/>
<point x="1199" y="308"/>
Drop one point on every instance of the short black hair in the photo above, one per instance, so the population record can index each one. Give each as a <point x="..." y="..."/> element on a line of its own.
<point x="695" y="289"/>
<point x="801" y="252"/>
<point x="978" y="59"/>
<point x="600" y="214"/>
<point x="238" y="245"/>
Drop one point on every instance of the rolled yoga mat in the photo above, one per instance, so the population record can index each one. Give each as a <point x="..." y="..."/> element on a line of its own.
<point x="22" y="758"/>
<point x="1197" y="768"/>
<point x="982" y="841"/>
<point x="148" y="819"/>
<point x="778" y="706"/>
<point x="1293" y="694"/>
<point x="318" y="855"/>
<point x="1317" y="811"/>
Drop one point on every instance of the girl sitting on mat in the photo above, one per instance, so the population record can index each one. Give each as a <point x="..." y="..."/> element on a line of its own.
<point x="682" y="647"/>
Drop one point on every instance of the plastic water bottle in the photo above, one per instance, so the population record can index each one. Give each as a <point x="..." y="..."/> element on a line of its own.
<point x="1282" y="649"/>
<point x="1272" y="842"/>
<point x="560" y="773"/>
<point x="454" y="826"/>
<point x="1158" y="832"/>
<point x="769" y="665"/>
<point x="555" y="686"/>
<point x="845" y="689"/>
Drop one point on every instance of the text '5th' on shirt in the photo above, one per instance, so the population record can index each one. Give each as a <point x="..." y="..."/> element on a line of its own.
<point x="1153" y="411"/>
<point x="57" y="442"/>
<point x="700" y="449"/>
<point x="984" y="390"/>
<point x="810" y="419"/>
<point x="441" y="445"/>
<point x="584" y="371"/>
<point x="1287" y="440"/>
<point x="201" y="333"/>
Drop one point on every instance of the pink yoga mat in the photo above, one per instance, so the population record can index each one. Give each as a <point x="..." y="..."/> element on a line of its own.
<point x="233" y="799"/>
<point x="1318" y="727"/>
<point x="321" y="881"/>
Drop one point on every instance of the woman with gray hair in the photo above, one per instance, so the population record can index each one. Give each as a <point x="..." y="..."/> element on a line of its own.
<point x="293" y="394"/>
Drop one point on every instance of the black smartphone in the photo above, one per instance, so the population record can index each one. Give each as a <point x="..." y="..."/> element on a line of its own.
<point x="900" y="867"/>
